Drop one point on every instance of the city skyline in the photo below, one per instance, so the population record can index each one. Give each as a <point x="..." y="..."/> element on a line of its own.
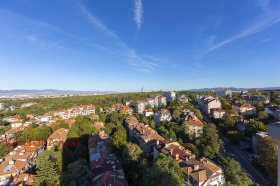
<point x="118" y="46"/>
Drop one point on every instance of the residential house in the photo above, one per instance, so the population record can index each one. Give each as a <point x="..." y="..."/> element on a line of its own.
<point x="148" y="113"/>
<point x="99" y="143"/>
<point x="218" y="113"/>
<point x="244" y="108"/>
<point x="106" y="170"/>
<point x="209" y="102"/>
<point x="70" y="122"/>
<point x="20" y="160"/>
<point x="94" y="118"/>
<point x="223" y="93"/>
<point x="183" y="100"/>
<point x="98" y="125"/>
<point x="255" y="139"/>
<point x="13" y="108"/>
<point x="197" y="171"/>
<point x="253" y="100"/>
<point x="16" y="124"/>
<point x="24" y="179"/>
<point x="170" y="96"/>
<point x="273" y="110"/>
<point x="57" y="137"/>
<point x="28" y="104"/>
<point x="12" y="131"/>
<point x="145" y="136"/>
<point x="122" y="109"/>
<point x="253" y="91"/>
<point x="194" y="124"/>
<point x="162" y="115"/>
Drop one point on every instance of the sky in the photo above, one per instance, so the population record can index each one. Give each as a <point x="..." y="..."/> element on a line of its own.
<point x="121" y="45"/>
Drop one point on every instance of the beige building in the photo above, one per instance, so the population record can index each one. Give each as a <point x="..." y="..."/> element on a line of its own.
<point x="99" y="143"/>
<point x="209" y="102"/>
<point x="244" y="108"/>
<point x="218" y="113"/>
<point x="57" y="137"/>
<point x="194" y="124"/>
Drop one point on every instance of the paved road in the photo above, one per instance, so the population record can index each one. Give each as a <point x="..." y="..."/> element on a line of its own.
<point x="234" y="151"/>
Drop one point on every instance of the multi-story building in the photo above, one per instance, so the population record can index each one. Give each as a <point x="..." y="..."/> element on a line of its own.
<point x="145" y="136"/>
<point x="2" y="106"/>
<point x="194" y="124"/>
<point x="57" y="137"/>
<point x="197" y="171"/>
<point x="140" y="106"/>
<point x="253" y="100"/>
<point x="218" y="113"/>
<point x="21" y="159"/>
<point x="223" y="93"/>
<point x="105" y="168"/>
<point x="161" y="101"/>
<point x="209" y="102"/>
<point x="162" y="115"/>
<point x="73" y="112"/>
<point x="170" y="96"/>
<point x="99" y="143"/>
<point x="244" y="108"/>
<point x="24" y="179"/>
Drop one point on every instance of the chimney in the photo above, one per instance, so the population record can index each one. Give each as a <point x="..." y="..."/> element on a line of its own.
<point x="196" y="167"/>
<point x="177" y="157"/>
<point x="187" y="158"/>
<point x="171" y="152"/>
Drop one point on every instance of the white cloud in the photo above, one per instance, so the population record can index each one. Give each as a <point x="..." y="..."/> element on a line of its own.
<point x="142" y="63"/>
<point x="138" y="13"/>
<point x="259" y="25"/>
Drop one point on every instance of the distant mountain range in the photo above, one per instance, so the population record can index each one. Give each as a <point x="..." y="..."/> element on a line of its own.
<point x="232" y="89"/>
<point x="50" y="91"/>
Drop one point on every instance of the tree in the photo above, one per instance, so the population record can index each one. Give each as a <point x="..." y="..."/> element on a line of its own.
<point x="226" y="106"/>
<point x="49" y="167"/>
<point x="255" y="126"/>
<point x="209" y="143"/>
<point x="267" y="148"/>
<point x="260" y="107"/>
<point x="134" y="163"/>
<point x="5" y="149"/>
<point x="233" y="172"/>
<point x="263" y="115"/>
<point x="77" y="174"/>
<point x="167" y="171"/>
<point x="234" y="136"/>
<point x="43" y="132"/>
<point x="152" y="124"/>
<point x="119" y="137"/>
<point x="192" y="148"/>
<point x="176" y="114"/>
<point x="229" y="120"/>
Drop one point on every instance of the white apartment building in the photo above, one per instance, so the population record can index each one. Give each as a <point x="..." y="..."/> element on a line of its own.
<point x="162" y="115"/>
<point x="223" y="93"/>
<point x="170" y="96"/>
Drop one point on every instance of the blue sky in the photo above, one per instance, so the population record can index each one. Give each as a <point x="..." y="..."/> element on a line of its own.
<point x="120" y="45"/>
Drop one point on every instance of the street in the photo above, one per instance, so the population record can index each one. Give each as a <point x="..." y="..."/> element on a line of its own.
<point x="234" y="151"/>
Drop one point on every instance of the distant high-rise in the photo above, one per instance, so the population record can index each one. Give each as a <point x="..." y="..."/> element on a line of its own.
<point x="1" y="106"/>
<point x="142" y="89"/>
